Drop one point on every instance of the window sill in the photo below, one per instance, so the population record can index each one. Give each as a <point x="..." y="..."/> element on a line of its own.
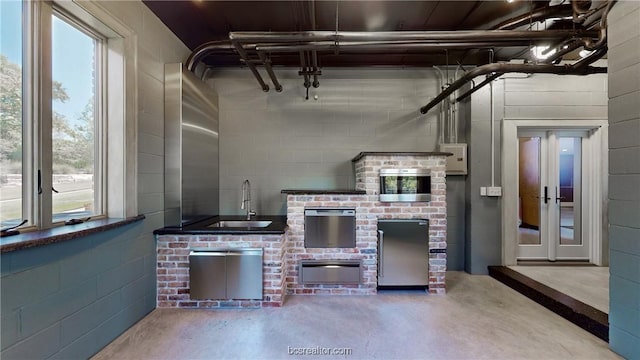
<point x="62" y="233"/>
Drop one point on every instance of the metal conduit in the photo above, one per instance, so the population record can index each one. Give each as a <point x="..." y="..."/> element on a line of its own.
<point x="511" y="68"/>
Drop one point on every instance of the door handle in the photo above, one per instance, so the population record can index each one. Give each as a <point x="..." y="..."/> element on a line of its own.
<point x="546" y="195"/>
<point x="380" y="251"/>
<point x="558" y="197"/>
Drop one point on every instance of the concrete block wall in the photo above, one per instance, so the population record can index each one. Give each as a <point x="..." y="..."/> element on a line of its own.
<point x="173" y="269"/>
<point x="282" y="141"/>
<point x="624" y="178"/>
<point x="69" y="300"/>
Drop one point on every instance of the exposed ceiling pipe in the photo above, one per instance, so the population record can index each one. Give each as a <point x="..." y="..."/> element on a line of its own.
<point x="436" y="36"/>
<point x="314" y="53"/>
<point x="267" y="66"/>
<point x="252" y="67"/>
<point x="579" y="9"/>
<point x="559" y="54"/>
<point x="304" y="71"/>
<point x="535" y="16"/>
<point x="591" y="58"/>
<point x="563" y="49"/>
<point x="403" y="41"/>
<point x="203" y="50"/>
<point x="350" y="47"/>
<point x="511" y="68"/>
<point x="602" y="39"/>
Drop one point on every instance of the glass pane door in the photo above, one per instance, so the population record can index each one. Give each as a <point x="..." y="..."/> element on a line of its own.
<point x="550" y="196"/>
<point x="531" y="166"/>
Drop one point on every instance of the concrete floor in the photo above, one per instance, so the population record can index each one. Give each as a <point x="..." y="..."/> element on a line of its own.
<point x="479" y="318"/>
<point x="589" y="284"/>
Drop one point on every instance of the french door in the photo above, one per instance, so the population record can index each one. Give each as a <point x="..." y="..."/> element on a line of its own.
<point x="550" y="195"/>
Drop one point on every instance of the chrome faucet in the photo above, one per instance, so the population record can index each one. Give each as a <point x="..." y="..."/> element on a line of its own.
<point x="246" y="198"/>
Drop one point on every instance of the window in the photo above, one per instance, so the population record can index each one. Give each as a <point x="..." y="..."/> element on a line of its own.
<point x="11" y="112"/>
<point x="76" y="120"/>
<point x="57" y="60"/>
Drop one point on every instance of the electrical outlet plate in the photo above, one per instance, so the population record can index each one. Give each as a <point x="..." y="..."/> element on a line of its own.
<point x="483" y="191"/>
<point x="494" y="191"/>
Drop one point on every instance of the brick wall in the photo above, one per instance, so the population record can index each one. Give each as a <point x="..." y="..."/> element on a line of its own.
<point x="365" y="250"/>
<point x="367" y="172"/>
<point x="173" y="269"/>
<point x="368" y="211"/>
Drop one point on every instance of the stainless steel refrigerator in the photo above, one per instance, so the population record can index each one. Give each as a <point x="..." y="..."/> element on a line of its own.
<point x="403" y="253"/>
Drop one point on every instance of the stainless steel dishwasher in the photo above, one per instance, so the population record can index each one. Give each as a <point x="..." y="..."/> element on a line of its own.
<point x="403" y="253"/>
<point x="329" y="228"/>
<point x="226" y="274"/>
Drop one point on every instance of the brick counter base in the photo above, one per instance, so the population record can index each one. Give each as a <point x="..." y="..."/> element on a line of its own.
<point x="173" y="269"/>
<point x="367" y="171"/>
<point x="365" y="250"/>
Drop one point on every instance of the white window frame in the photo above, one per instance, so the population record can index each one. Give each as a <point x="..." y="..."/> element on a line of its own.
<point x="117" y="137"/>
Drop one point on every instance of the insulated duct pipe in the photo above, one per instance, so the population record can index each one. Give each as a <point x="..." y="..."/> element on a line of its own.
<point x="511" y="68"/>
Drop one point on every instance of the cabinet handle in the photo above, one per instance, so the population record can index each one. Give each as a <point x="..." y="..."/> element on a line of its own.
<point x="380" y="251"/>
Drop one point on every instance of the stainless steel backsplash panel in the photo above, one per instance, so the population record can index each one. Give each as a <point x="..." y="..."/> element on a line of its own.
<point x="191" y="147"/>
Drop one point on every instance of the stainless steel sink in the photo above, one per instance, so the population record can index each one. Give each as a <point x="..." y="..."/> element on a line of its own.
<point x="241" y="223"/>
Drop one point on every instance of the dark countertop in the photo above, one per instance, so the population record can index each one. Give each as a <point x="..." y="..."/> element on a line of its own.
<point x="62" y="233"/>
<point x="278" y="226"/>
<point x="323" y="192"/>
<point x="400" y="153"/>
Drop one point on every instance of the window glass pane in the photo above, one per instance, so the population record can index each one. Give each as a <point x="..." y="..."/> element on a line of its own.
<point x="10" y="113"/>
<point x="570" y="171"/>
<point x="75" y="79"/>
<point x="529" y="191"/>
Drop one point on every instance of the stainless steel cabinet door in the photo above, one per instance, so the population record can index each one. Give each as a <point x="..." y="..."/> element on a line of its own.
<point x="403" y="253"/>
<point x="208" y="275"/>
<point x="244" y="274"/>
